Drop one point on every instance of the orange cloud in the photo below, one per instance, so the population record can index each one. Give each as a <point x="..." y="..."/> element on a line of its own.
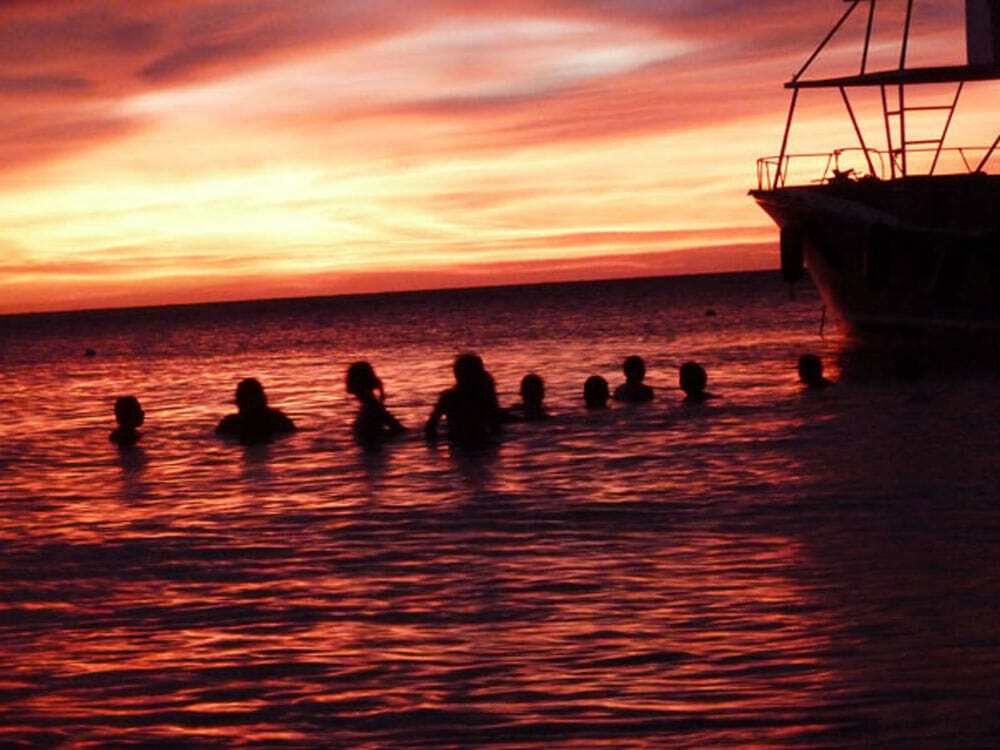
<point x="168" y="151"/>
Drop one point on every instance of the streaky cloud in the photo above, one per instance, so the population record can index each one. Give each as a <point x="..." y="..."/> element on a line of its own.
<point x="43" y="84"/>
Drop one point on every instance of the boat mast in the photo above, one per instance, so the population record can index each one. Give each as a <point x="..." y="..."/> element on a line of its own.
<point x="902" y="87"/>
<point x="983" y="48"/>
<point x="795" y="79"/>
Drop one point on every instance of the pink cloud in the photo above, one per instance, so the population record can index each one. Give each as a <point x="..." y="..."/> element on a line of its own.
<point x="445" y="120"/>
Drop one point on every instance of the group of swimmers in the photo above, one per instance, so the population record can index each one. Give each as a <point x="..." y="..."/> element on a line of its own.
<point x="470" y="407"/>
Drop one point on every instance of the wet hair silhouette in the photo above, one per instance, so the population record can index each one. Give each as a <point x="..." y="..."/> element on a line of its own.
<point x="811" y="371"/>
<point x="633" y="389"/>
<point x="254" y="422"/>
<point x="362" y="380"/>
<point x="470" y="407"/>
<point x="469" y="370"/>
<point x="129" y="416"/>
<point x="596" y="392"/>
<point x="250" y="396"/>
<point x="373" y="424"/>
<point x="693" y="380"/>
<point x="532" y="389"/>
<point x="531" y="407"/>
<point x="634" y="368"/>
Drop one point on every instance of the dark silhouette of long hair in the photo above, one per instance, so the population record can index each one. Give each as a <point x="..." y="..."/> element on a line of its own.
<point x="361" y="380"/>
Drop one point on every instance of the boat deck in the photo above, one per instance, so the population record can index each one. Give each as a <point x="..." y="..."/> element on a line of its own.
<point x="964" y="203"/>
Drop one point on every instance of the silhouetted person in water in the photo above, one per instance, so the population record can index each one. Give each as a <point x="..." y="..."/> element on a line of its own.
<point x="596" y="392"/>
<point x="129" y="416"/>
<point x="374" y="424"/>
<point x="531" y="408"/>
<point x="811" y="372"/>
<point x="470" y="406"/>
<point x="633" y="389"/>
<point x="255" y="421"/>
<point x="693" y="380"/>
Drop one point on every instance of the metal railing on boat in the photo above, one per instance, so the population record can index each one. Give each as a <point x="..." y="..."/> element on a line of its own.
<point x="773" y="171"/>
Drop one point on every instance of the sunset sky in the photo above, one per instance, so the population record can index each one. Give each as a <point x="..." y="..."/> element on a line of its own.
<point x="187" y="150"/>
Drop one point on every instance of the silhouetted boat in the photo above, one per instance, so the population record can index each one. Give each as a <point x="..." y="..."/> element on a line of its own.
<point x="909" y="238"/>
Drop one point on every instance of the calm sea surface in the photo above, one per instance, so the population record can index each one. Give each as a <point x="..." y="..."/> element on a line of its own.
<point x="773" y="568"/>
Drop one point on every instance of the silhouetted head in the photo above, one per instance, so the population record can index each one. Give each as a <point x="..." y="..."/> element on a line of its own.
<point x="250" y="396"/>
<point x="634" y="368"/>
<point x="693" y="378"/>
<point x="469" y="370"/>
<point x="128" y="412"/>
<point x="361" y="379"/>
<point x="596" y="392"/>
<point x="532" y="390"/>
<point x="811" y="370"/>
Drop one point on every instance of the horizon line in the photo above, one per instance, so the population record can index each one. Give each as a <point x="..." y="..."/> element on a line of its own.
<point x="387" y="293"/>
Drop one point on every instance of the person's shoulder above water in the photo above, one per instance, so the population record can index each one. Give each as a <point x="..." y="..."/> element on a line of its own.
<point x="634" y="393"/>
<point x="532" y="406"/>
<point x="470" y="407"/>
<point x="373" y="423"/>
<point x="280" y="422"/>
<point x="229" y="425"/>
<point x="124" y="438"/>
<point x="447" y="400"/>
<point x="522" y="413"/>
<point x="255" y="421"/>
<point x="633" y="389"/>
<point x="255" y="427"/>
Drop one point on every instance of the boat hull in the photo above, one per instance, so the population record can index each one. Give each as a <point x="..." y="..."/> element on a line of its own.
<point x="919" y="255"/>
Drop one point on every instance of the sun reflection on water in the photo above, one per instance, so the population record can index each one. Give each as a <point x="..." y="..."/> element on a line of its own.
<point x="752" y="571"/>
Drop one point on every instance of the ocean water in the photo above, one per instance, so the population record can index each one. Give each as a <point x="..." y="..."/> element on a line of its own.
<point x="773" y="568"/>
